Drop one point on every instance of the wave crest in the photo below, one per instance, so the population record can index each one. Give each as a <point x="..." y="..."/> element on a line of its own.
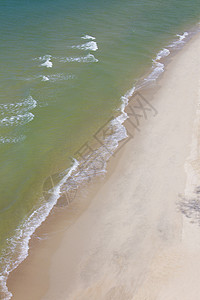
<point x="88" y="46"/>
<point x="83" y="59"/>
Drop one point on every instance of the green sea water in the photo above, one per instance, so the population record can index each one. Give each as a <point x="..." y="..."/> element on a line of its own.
<point x="64" y="66"/>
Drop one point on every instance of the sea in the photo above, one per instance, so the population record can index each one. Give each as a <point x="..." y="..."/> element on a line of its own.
<point x="67" y="68"/>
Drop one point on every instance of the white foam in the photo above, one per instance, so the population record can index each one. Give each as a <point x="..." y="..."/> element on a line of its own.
<point x="14" y="114"/>
<point x="88" y="37"/>
<point x="53" y="77"/>
<point x="46" y="60"/>
<point x="47" y="63"/>
<point x="163" y="53"/>
<point x="43" y="58"/>
<point x="17" y="120"/>
<point x="57" y="77"/>
<point x="180" y="40"/>
<point x="18" y="108"/>
<point x="183" y="36"/>
<point x="83" y="59"/>
<point x="158" y="69"/>
<point x="12" y="140"/>
<point x="109" y="145"/>
<point x="44" y="78"/>
<point x="119" y="132"/>
<point x="92" y="46"/>
<point x="4" y="290"/>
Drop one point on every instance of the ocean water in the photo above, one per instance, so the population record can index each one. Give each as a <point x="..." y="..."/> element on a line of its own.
<point x="65" y="67"/>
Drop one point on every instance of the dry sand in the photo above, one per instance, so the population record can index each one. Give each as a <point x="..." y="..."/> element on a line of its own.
<point x="132" y="240"/>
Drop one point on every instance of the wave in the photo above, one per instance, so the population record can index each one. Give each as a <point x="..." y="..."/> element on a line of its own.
<point x="46" y="60"/>
<point x="44" y="78"/>
<point x="17" y="120"/>
<point x="51" y="78"/>
<point x="88" y="37"/>
<point x="12" y="140"/>
<point x="158" y="69"/>
<point x="18" y="108"/>
<point x="83" y="59"/>
<point x="88" y="46"/>
<point x="56" y="77"/>
<point x="17" y="114"/>
<point x="47" y="63"/>
<point x="181" y="38"/>
<point x="163" y="53"/>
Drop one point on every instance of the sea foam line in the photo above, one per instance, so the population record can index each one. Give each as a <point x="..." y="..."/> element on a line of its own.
<point x="180" y="41"/>
<point x="158" y="67"/>
<point x="163" y="53"/>
<point x="20" y="242"/>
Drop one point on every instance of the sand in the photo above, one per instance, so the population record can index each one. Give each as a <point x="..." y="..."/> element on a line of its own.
<point x="131" y="238"/>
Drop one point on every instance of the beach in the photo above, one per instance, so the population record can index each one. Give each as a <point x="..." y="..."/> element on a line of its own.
<point x="129" y="237"/>
<point x="66" y="82"/>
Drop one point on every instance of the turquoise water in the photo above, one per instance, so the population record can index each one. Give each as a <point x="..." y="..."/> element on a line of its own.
<point x="64" y="67"/>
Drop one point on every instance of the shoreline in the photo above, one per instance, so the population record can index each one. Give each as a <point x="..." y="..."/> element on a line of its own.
<point x="148" y="84"/>
<point x="96" y="193"/>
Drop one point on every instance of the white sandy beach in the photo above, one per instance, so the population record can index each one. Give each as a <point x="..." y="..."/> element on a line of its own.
<point x="131" y="241"/>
